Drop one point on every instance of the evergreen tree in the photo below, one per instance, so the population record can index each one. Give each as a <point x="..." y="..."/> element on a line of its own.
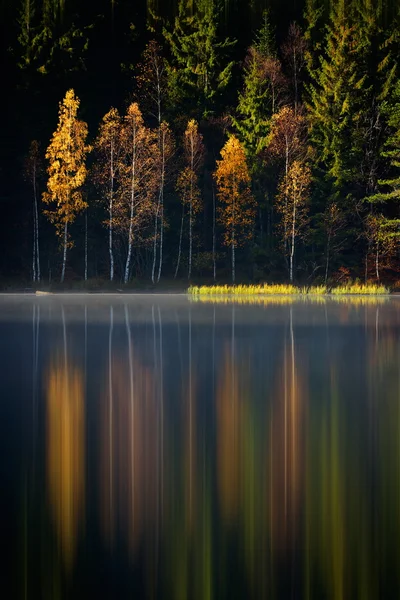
<point x="390" y="187"/>
<point x="199" y="70"/>
<point x="335" y="106"/>
<point x="254" y="110"/>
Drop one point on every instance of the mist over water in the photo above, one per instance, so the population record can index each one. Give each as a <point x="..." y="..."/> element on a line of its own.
<point x="156" y="447"/>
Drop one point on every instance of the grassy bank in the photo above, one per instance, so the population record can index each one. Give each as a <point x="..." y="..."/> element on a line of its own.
<point x="354" y="289"/>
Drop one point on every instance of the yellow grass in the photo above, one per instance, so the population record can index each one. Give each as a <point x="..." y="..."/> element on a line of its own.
<point x="356" y="288"/>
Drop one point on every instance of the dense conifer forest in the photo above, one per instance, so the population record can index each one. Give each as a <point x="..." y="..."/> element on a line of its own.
<point x="200" y="140"/>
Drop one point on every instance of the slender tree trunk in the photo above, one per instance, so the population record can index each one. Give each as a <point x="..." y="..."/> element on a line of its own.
<point x="34" y="250"/>
<point x="153" y="270"/>
<point x="180" y="242"/>
<point x="328" y="250"/>
<point x="377" y="262"/>
<point x="86" y="247"/>
<point x="213" y="244"/>
<point x="110" y="214"/>
<point x="293" y="242"/>
<point x="128" y="258"/>
<point x="37" y="244"/>
<point x="161" y="209"/>
<point x="190" y="230"/>
<point x="65" y="251"/>
<point x="233" y="259"/>
<point x="161" y="238"/>
<point x="36" y="258"/>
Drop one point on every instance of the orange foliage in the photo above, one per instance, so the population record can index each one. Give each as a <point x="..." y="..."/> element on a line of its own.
<point x="139" y="160"/>
<point x="237" y="206"/>
<point x="67" y="165"/>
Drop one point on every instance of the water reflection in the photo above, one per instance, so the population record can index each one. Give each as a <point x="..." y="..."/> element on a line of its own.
<point x="200" y="451"/>
<point x="66" y="453"/>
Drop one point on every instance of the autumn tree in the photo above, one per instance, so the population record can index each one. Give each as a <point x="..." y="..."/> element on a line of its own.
<point x="236" y="203"/>
<point x="188" y="185"/>
<point x="293" y="205"/>
<point x="108" y="169"/>
<point x="287" y="142"/>
<point x="163" y="168"/>
<point x="152" y="82"/>
<point x="139" y="180"/>
<point x="33" y="170"/>
<point x="294" y="54"/>
<point x="67" y="171"/>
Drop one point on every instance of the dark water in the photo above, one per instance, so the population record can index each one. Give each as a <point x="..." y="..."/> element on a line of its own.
<point x="152" y="447"/>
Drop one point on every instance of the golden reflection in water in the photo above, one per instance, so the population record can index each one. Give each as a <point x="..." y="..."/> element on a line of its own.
<point x="228" y="430"/>
<point x="286" y="451"/>
<point x="66" y="453"/>
<point x="129" y="450"/>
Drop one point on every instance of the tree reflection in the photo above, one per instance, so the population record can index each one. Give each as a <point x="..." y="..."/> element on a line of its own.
<point x="66" y="452"/>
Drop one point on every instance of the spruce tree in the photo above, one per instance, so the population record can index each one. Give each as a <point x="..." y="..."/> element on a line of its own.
<point x="199" y="70"/>
<point x="335" y="107"/>
<point x="390" y="187"/>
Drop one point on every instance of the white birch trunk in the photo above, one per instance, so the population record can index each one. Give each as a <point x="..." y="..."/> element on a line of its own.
<point x="128" y="258"/>
<point x="180" y="242"/>
<point x="233" y="235"/>
<point x="162" y="211"/>
<point x="86" y="247"/>
<point x="161" y="237"/>
<point x="293" y="242"/>
<point x="213" y="242"/>
<point x="328" y="250"/>
<point x="377" y="262"/>
<point x="153" y="270"/>
<point x="190" y="234"/>
<point x="35" y="258"/>
<point x="65" y="251"/>
<point x="110" y="213"/>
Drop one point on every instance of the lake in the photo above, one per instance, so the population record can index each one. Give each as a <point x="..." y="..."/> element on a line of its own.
<point x="153" y="446"/>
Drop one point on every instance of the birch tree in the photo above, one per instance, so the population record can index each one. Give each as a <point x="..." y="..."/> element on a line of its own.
<point x="188" y="184"/>
<point x="67" y="171"/>
<point x="109" y="148"/>
<point x="236" y="203"/>
<point x="165" y="153"/>
<point x="33" y="168"/>
<point x="139" y="180"/>
<point x="152" y="89"/>
<point x="293" y="205"/>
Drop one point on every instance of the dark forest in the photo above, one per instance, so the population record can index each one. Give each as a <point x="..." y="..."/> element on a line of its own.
<point x="201" y="140"/>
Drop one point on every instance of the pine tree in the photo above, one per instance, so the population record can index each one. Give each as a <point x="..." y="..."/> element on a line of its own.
<point x="199" y="70"/>
<point x="67" y="170"/>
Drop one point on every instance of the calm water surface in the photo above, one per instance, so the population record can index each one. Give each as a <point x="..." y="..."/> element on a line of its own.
<point x="154" y="447"/>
